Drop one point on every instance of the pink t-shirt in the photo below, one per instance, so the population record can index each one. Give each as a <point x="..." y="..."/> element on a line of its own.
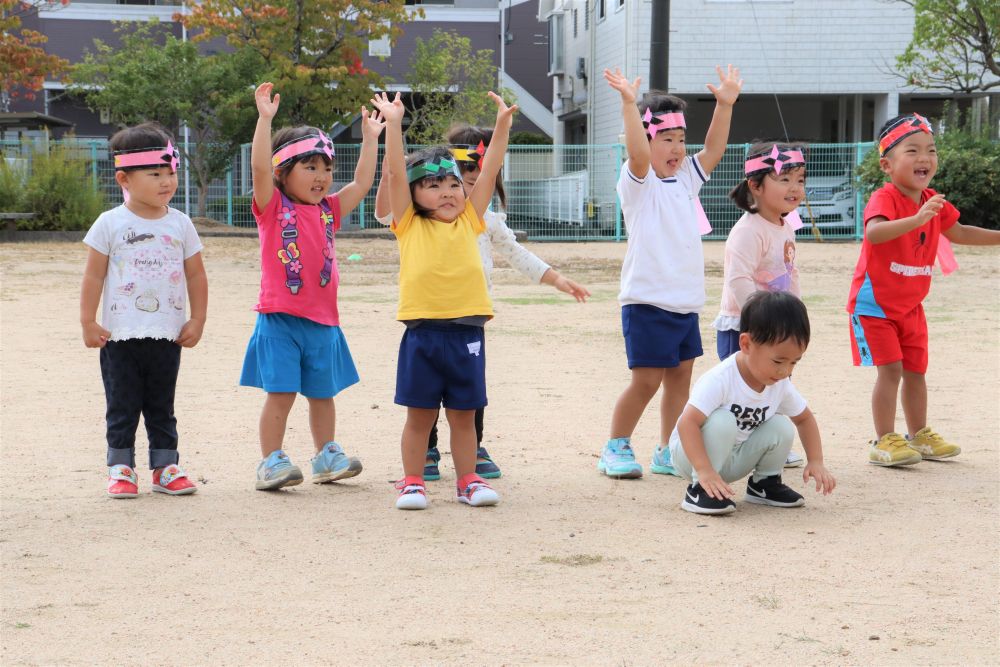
<point x="306" y="260"/>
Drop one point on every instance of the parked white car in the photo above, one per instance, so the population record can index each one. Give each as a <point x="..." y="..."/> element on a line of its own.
<point x="831" y="202"/>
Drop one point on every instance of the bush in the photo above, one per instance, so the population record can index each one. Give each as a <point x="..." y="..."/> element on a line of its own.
<point x="529" y="139"/>
<point x="241" y="209"/>
<point x="60" y="193"/>
<point x="11" y="188"/>
<point x="968" y="175"/>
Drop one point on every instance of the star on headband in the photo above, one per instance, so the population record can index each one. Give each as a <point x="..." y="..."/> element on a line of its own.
<point x="316" y="143"/>
<point x="470" y="154"/>
<point x="435" y="168"/>
<point x="777" y="160"/>
<point x="661" y="121"/>
<point x="149" y="157"/>
<point x="906" y="126"/>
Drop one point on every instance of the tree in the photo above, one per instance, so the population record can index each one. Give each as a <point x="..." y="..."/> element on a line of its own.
<point x="312" y="48"/>
<point x="450" y="80"/>
<point x="955" y="46"/>
<point x="155" y="76"/>
<point x="24" y="65"/>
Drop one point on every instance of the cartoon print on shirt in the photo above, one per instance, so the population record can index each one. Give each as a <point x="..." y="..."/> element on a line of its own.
<point x="747" y="418"/>
<point x="176" y="301"/>
<point x="170" y="241"/>
<point x="783" y="282"/>
<point x="147" y="301"/>
<point x="126" y="289"/>
<point x="132" y="238"/>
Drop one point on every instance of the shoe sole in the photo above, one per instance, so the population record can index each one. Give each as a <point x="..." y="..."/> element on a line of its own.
<point x="757" y="500"/>
<point x="632" y="474"/>
<point x="412" y="505"/>
<point x="182" y="492"/>
<point x="690" y="507"/>
<point x="123" y="495"/>
<point x="432" y="477"/>
<point x="913" y="460"/>
<point x="275" y="484"/>
<point x="940" y="457"/>
<point x="795" y="464"/>
<point x="489" y="502"/>
<point x="489" y="475"/>
<point x="346" y="473"/>
<point x="663" y="470"/>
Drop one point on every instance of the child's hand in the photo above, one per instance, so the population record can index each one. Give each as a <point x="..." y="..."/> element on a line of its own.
<point x="266" y="107"/>
<point x="629" y="90"/>
<point x="94" y="335"/>
<point x="564" y="284"/>
<point x="371" y="124"/>
<point x="930" y="208"/>
<point x="190" y="333"/>
<point x="391" y="110"/>
<point x="824" y="480"/>
<point x="730" y="85"/>
<point x="714" y="485"/>
<point x="505" y="114"/>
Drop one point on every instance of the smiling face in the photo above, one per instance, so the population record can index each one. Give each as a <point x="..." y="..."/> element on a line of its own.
<point x="150" y="190"/>
<point x="442" y="199"/>
<point x="911" y="164"/>
<point x="778" y="194"/>
<point x="666" y="152"/>
<point x="308" y="180"/>
<point x="764" y="364"/>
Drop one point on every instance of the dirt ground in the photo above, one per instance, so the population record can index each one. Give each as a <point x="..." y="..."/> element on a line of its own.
<point x="897" y="567"/>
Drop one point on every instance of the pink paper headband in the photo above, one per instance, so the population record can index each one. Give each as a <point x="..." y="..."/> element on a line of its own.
<point x="661" y="121"/>
<point x="776" y="160"/>
<point x="311" y="144"/>
<point x="149" y="157"/>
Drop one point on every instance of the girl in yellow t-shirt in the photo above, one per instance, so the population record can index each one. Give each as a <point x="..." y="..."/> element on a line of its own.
<point x="443" y="300"/>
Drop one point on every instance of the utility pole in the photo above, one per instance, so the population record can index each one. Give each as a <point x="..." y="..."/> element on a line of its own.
<point x="659" y="45"/>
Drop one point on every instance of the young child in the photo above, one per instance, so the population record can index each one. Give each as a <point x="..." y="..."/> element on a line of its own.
<point x="443" y="300"/>
<point x="904" y="221"/>
<point x="663" y="276"/>
<point x="739" y="419"/>
<point x="154" y="256"/>
<point x="469" y="145"/>
<point x="760" y="249"/>
<point x="297" y="346"/>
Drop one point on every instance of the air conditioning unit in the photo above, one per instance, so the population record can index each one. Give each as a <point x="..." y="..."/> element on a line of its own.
<point x="581" y="68"/>
<point x="105" y="116"/>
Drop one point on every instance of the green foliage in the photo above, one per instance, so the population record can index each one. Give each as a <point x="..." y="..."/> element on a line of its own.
<point x="60" y="192"/>
<point x="217" y="208"/>
<point x="450" y="81"/>
<point x="529" y="139"/>
<point x="968" y="175"/>
<point x="11" y="188"/>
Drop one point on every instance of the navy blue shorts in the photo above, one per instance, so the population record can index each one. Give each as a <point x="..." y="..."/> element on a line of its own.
<point x="657" y="338"/>
<point x="442" y="363"/>
<point x="727" y="343"/>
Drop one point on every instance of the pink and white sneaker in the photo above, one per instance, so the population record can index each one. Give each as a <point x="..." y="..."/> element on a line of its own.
<point x="122" y="482"/>
<point x="412" y="493"/>
<point x="172" y="481"/>
<point x="473" y="490"/>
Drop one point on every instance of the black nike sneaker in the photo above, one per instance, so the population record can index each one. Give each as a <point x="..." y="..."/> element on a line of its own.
<point x="771" y="491"/>
<point x="697" y="500"/>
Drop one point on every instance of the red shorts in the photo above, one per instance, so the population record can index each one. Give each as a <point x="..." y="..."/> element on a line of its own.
<point x="877" y="341"/>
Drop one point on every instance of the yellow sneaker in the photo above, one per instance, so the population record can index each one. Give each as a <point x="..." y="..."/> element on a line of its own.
<point x="932" y="446"/>
<point x="892" y="449"/>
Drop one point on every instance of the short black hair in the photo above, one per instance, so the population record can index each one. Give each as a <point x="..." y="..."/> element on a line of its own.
<point x="741" y="194"/>
<point x="469" y="135"/>
<point x="289" y="134"/>
<point x="430" y="154"/>
<point x="658" y="101"/>
<point x="139" y="137"/>
<point x="774" y="317"/>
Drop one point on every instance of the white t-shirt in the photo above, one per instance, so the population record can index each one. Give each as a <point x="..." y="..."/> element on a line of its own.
<point x="724" y="387"/>
<point x="664" y="263"/>
<point x="145" y="292"/>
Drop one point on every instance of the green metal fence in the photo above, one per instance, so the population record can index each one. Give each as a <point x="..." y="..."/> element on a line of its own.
<point x="553" y="192"/>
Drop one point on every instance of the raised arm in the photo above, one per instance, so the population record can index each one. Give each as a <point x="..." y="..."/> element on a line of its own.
<point x="260" y="151"/>
<point x="880" y="229"/>
<point x="636" y="143"/>
<point x="726" y="94"/>
<point x="364" y="173"/>
<point x="482" y="191"/>
<point x="399" y="187"/>
<point x="382" y="206"/>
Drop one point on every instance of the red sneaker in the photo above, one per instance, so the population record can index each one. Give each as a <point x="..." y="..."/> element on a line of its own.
<point x="122" y="482"/>
<point x="172" y="481"/>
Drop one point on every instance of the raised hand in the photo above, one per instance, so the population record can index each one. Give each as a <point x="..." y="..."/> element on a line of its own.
<point x="266" y="107"/>
<point x="371" y="124"/>
<point x="930" y="208"/>
<point x="504" y="113"/>
<point x="730" y="85"/>
<point x="391" y="110"/>
<point x="629" y="90"/>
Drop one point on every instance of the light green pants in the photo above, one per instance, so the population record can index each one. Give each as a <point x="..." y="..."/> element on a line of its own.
<point x="763" y="453"/>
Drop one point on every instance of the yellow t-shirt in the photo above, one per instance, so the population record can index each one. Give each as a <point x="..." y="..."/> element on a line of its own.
<point x="440" y="271"/>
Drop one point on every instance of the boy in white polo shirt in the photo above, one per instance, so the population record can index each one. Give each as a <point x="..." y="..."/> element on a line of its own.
<point x="663" y="276"/>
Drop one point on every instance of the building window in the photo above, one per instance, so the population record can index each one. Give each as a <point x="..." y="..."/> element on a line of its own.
<point x="574" y="23"/>
<point x="586" y="14"/>
<point x="621" y="3"/>
<point x="555" y="43"/>
<point x="430" y="2"/>
<point x="601" y="9"/>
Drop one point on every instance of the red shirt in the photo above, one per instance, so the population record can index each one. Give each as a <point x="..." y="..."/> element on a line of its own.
<point x="892" y="278"/>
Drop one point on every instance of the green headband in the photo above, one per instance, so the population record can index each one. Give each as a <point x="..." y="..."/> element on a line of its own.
<point x="439" y="168"/>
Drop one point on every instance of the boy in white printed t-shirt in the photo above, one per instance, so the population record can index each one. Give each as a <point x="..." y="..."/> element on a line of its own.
<point x="739" y="419"/>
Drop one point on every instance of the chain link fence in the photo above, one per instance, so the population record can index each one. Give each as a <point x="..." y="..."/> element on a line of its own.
<point x="554" y="193"/>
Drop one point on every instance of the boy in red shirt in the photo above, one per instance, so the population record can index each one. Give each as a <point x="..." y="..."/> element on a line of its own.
<point x="904" y="221"/>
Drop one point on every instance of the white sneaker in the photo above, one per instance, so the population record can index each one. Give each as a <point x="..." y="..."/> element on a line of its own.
<point x="794" y="460"/>
<point x="412" y="494"/>
<point x="478" y="493"/>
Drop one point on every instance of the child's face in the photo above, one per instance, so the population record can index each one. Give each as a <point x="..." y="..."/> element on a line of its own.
<point x="779" y="194"/>
<point x="308" y="181"/>
<point x="153" y="187"/>
<point x="912" y="163"/>
<point x="667" y="150"/>
<point x="770" y="363"/>
<point x="470" y="174"/>
<point x="444" y="199"/>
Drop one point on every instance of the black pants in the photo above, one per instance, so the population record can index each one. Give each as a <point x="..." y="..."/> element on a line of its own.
<point x="140" y="377"/>
<point x="432" y="442"/>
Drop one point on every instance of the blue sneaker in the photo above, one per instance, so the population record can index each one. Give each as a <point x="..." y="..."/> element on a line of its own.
<point x="485" y="467"/>
<point x="431" y="471"/>
<point x="618" y="460"/>
<point x="332" y="464"/>
<point x="277" y="471"/>
<point x="662" y="465"/>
